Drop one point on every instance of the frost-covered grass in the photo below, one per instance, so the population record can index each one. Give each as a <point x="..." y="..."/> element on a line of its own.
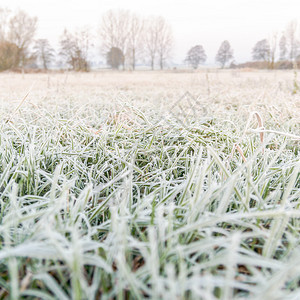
<point x="113" y="187"/>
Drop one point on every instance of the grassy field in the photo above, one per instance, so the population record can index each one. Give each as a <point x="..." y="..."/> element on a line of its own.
<point x="150" y="185"/>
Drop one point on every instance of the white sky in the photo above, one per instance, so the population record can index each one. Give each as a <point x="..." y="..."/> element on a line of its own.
<point x="209" y="22"/>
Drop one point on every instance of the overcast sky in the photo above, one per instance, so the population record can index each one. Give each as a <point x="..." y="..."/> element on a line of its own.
<point x="209" y="22"/>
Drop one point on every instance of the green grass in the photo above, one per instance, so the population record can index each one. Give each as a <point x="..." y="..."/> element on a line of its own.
<point x="132" y="203"/>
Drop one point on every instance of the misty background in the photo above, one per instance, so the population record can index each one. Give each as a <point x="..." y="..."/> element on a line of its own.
<point x="207" y="23"/>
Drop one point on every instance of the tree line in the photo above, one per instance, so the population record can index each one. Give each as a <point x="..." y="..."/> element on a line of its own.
<point x="126" y="40"/>
<point x="196" y="55"/>
<point x="287" y="45"/>
<point x="284" y="47"/>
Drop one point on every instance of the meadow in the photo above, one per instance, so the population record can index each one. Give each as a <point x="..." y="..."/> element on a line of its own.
<point x="150" y="185"/>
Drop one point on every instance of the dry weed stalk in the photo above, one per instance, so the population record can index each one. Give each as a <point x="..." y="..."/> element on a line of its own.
<point x="239" y="149"/>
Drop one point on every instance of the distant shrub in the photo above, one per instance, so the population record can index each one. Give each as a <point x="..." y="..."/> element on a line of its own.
<point x="281" y="65"/>
<point x="285" y="64"/>
<point x="8" y="55"/>
<point x="115" y="58"/>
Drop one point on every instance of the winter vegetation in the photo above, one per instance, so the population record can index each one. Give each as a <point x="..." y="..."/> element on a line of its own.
<point x="127" y="40"/>
<point x="150" y="181"/>
<point x="149" y="185"/>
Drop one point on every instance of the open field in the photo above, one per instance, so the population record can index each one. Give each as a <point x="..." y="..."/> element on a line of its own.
<point x="150" y="185"/>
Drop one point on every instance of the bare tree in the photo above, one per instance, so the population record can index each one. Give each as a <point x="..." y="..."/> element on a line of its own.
<point x="291" y="31"/>
<point x="273" y="47"/>
<point x="261" y="50"/>
<point x="83" y="41"/>
<point x="43" y="52"/>
<point x="282" y="47"/>
<point x="158" y="40"/>
<point x="74" y="49"/>
<point x="151" y="40"/>
<point x="114" y="31"/>
<point x="224" y="54"/>
<point x="136" y="26"/>
<point x="68" y="48"/>
<point x="22" y="29"/>
<point x="195" y="56"/>
<point x="4" y="18"/>
<point x="164" y="42"/>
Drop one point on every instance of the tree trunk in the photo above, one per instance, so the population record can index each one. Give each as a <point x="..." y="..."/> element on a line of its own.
<point x="123" y="62"/>
<point x="45" y="65"/>
<point x="133" y="59"/>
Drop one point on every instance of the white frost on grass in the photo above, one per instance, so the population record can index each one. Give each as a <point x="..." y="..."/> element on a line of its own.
<point x="105" y="193"/>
